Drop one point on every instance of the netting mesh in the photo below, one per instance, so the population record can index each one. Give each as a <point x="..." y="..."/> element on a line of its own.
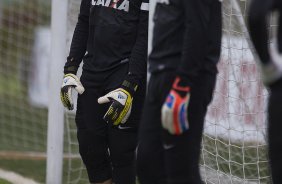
<point x="234" y="147"/>
<point x="22" y="121"/>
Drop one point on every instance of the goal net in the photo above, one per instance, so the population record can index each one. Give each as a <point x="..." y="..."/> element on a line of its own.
<point x="234" y="141"/>
<point x="24" y="44"/>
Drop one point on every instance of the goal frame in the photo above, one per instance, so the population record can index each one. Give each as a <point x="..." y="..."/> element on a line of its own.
<point x="55" y="135"/>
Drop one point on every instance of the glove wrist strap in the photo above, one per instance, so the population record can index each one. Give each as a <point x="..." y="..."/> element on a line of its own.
<point x="70" y="66"/>
<point x="180" y="86"/>
<point x="129" y="86"/>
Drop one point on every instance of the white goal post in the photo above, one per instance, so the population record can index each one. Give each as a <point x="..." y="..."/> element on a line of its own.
<point x="56" y="110"/>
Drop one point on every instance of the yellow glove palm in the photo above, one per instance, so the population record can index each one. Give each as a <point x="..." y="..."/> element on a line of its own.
<point x="70" y="81"/>
<point x="120" y="109"/>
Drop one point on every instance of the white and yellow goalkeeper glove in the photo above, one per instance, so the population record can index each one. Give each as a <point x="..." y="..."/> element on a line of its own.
<point x="121" y="99"/>
<point x="70" y="81"/>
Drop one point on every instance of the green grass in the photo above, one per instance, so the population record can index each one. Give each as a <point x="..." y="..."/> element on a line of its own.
<point x="36" y="169"/>
<point x="4" y="181"/>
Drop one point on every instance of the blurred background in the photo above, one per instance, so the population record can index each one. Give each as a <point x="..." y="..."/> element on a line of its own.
<point x="25" y="49"/>
<point x="234" y="148"/>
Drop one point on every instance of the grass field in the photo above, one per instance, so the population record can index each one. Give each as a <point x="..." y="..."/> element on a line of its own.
<point x="36" y="169"/>
<point x="249" y="163"/>
<point x="4" y="181"/>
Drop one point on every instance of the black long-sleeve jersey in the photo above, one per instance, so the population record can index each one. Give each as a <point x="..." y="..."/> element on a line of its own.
<point x="258" y="23"/>
<point x="109" y="33"/>
<point x="187" y="36"/>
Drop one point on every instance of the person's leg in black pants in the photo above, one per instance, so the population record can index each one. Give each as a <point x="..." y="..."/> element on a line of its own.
<point x="161" y="155"/>
<point x="92" y="130"/>
<point x="108" y="151"/>
<point x="122" y="139"/>
<point x="150" y="152"/>
<point x="182" y="152"/>
<point x="274" y="131"/>
<point x="123" y="142"/>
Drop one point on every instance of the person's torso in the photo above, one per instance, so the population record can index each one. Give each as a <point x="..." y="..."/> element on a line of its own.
<point x="170" y="26"/>
<point x="167" y="35"/>
<point x="113" y="26"/>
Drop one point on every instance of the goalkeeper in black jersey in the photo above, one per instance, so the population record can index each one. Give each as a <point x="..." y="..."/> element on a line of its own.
<point x="111" y="39"/>
<point x="185" y="52"/>
<point x="271" y="72"/>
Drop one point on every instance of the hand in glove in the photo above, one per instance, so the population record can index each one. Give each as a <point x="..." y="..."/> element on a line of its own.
<point x="121" y="99"/>
<point x="70" y="81"/>
<point x="174" y="110"/>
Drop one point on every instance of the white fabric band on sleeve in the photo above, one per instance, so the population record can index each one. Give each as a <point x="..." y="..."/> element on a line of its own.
<point x="145" y="6"/>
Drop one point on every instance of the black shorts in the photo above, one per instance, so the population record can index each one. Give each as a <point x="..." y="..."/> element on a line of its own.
<point x="107" y="151"/>
<point x="164" y="158"/>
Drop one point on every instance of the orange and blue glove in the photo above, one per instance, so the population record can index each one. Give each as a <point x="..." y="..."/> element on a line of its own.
<point x="174" y="113"/>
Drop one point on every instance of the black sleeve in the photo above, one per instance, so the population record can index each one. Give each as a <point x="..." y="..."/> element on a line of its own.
<point x="194" y="49"/>
<point x="138" y="60"/>
<point x="79" y="40"/>
<point x="258" y="23"/>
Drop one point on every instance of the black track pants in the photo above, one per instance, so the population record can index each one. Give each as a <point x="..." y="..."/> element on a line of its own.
<point x="163" y="158"/>
<point x="107" y="151"/>
<point x="274" y="131"/>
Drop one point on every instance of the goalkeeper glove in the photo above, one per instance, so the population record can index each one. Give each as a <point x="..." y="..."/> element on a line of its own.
<point x="121" y="99"/>
<point x="174" y="110"/>
<point x="70" y="81"/>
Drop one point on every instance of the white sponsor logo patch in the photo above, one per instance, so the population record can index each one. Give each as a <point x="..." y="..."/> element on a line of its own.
<point x="168" y="146"/>
<point x="163" y="1"/>
<point x="123" y="128"/>
<point x="145" y="6"/>
<point x="115" y="4"/>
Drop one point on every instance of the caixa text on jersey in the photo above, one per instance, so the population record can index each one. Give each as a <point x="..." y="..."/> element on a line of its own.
<point x="116" y="4"/>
